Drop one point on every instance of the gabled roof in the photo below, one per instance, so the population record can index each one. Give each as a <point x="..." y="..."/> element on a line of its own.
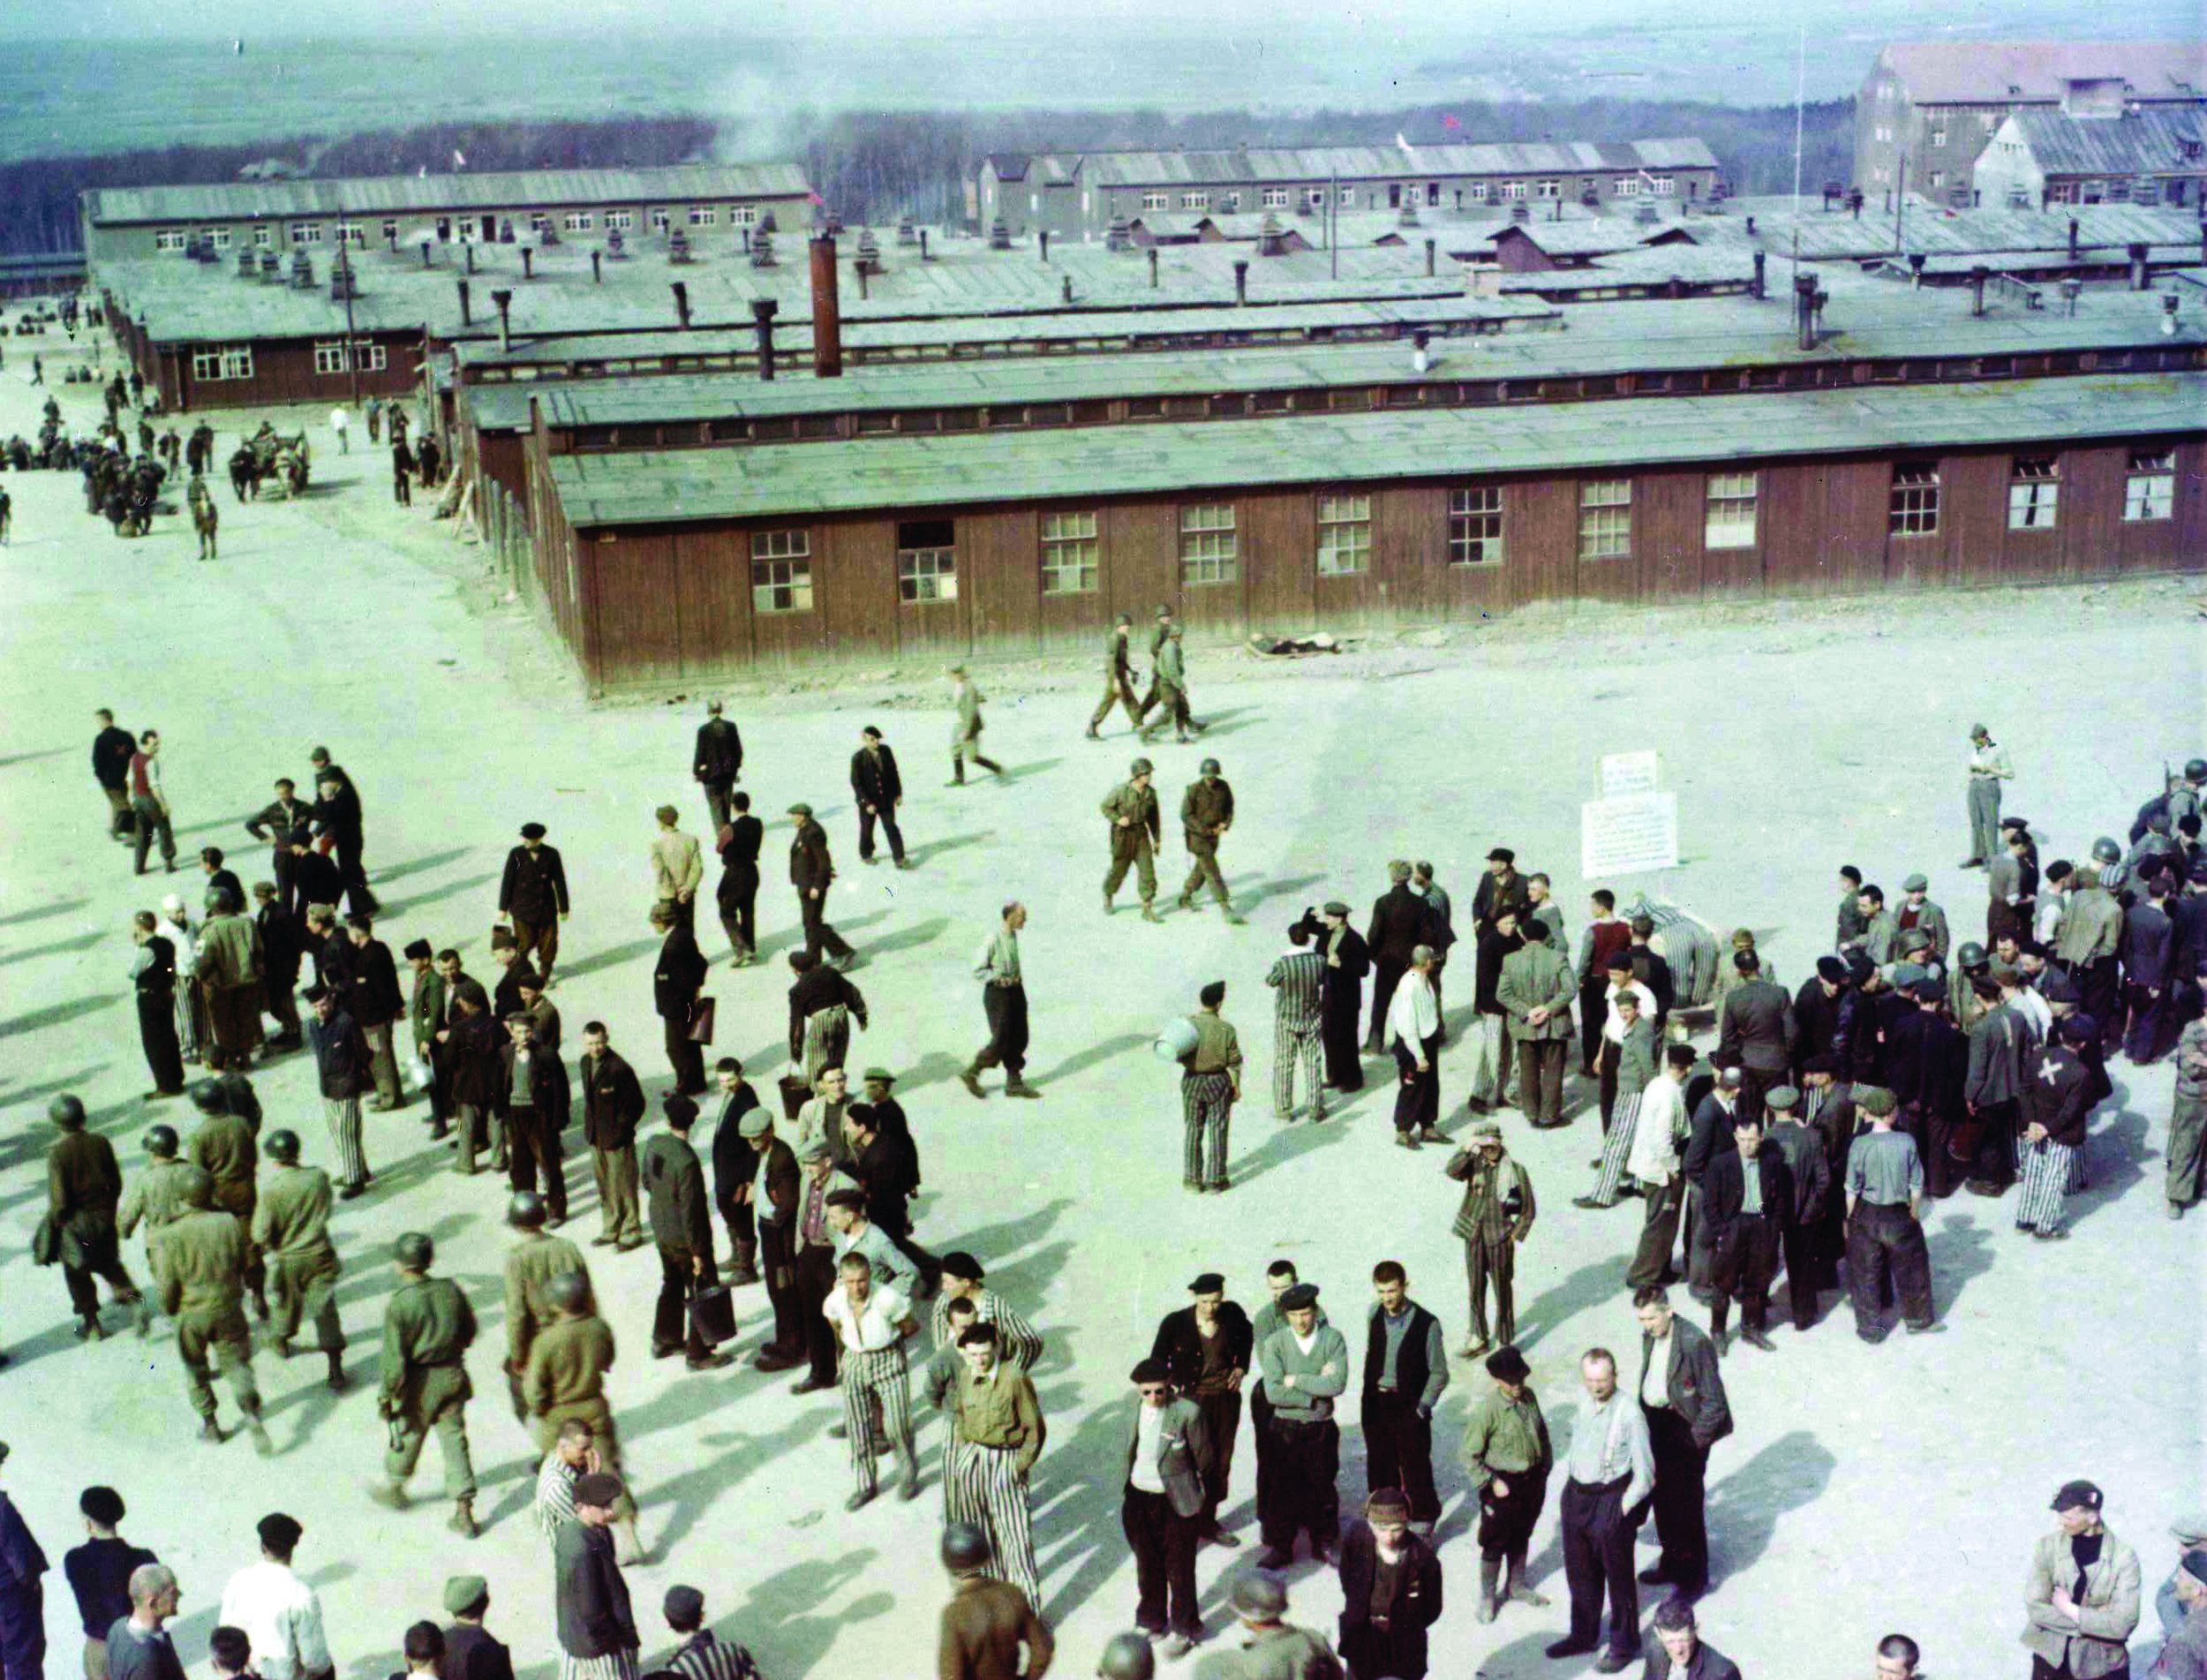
<point x="1389" y="162"/>
<point x="389" y="195"/>
<point x="1989" y="71"/>
<point x="2150" y="142"/>
<point x="1592" y="238"/>
<point x="1009" y="166"/>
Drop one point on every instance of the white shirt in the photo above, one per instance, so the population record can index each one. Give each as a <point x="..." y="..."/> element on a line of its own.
<point x="280" y="1614"/>
<point x="338" y="422"/>
<point x="1613" y="1025"/>
<point x="866" y="1330"/>
<point x="1148" y="1430"/>
<point x="1655" y="1386"/>
<point x="1652" y="1155"/>
<point x="2037" y="1011"/>
<point x="1413" y="1017"/>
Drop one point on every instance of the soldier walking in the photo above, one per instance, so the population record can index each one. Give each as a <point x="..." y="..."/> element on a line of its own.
<point x="964" y="728"/>
<point x="532" y="895"/>
<point x="1131" y="810"/>
<point x="427" y="1329"/>
<point x="1119" y="678"/>
<point x="536" y="1260"/>
<point x="1210" y="1085"/>
<point x="1497" y="1215"/>
<point x="1004" y="1001"/>
<point x="83" y="1189"/>
<point x="1207" y="811"/>
<point x="1171" y="684"/>
<point x="565" y="1378"/>
<point x="203" y="1289"/>
<point x="291" y="1225"/>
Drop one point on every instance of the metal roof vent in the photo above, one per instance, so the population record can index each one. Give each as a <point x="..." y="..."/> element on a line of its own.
<point x="1119" y="236"/>
<point x="999" y="235"/>
<point x="549" y="235"/>
<point x="302" y="271"/>
<point x="907" y="233"/>
<point x="269" y="271"/>
<point x="1409" y="217"/>
<point x="763" y="248"/>
<point x="1647" y="215"/>
<point x="246" y="264"/>
<point x="869" y="258"/>
<point x="1271" y="238"/>
<point x="616" y="247"/>
<point x="343" y="283"/>
<point x="677" y="246"/>
<point x="1520" y="213"/>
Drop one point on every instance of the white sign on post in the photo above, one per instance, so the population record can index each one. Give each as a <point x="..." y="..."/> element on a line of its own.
<point x="1628" y="835"/>
<point x="1628" y="772"/>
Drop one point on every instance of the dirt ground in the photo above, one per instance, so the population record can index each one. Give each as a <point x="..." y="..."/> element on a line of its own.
<point x="1866" y="1491"/>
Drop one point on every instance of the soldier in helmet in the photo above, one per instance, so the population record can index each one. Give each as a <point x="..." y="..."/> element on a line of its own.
<point x="291" y="1225"/>
<point x="1272" y="1648"/>
<point x="1118" y="677"/>
<point x="428" y="1327"/>
<point x="224" y="1149"/>
<point x="2189" y="798"/>
<point x="2088" y="936"/>
<point x="566" y="1378"/>
<point x="155" y="1196"/>
<point x="1131" y="810"/>
<point x="535" y="1260"/>
<point x="1126" y="1656"/>
<point x="84" y="1188"/>
<point x="1207" y="811"/>
<point x="203" y="1288"/>
<point x="987" y="1622"/>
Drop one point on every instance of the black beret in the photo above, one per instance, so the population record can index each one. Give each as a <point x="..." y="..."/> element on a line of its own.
<point x="1150" y="1371"/>
<point x="533" y="831"/>
<point x="1831" y="968"/>
<point x="1507" y="1365"/>
<point x="1209" y="1283"/>
<point x="1302" y="1295"/>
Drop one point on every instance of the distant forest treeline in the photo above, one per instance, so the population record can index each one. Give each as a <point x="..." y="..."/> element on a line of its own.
<point x="873" y="167"/>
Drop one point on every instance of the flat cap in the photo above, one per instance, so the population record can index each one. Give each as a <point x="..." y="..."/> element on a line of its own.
<point x="1928" y="990"/>
<point x="465" y="1593"/>
<point x="799" y="810"/>
<point x="1387" y="1501"/>
<point x="2060" y="989"/>
<point x="418" y="948"/>
<point x="2194" y="1563"/>
<point x="1208" y="1283"/>
<point x="1781" y="1097"/>
<point x="1150" y="1371"/>
<point x="2190" y="1529"/>
<point x="879" y="1076"/>
<point x="1260" y="1596"/>
<point x="533" y="831"/>
<point x="755" y="1122"/>
<point x="2073" y="1494"/>
<point x="685" y="1605"/>
<point x="1301" y="1295"/>
<point x="1505" y="1364"/>
<point x="599" y="1487"/>
<point x="1875" y="1099"/>
<point x="1335" y="907"/>
<point x="1831" y="968"/>
<point x="1501" y="854"/>
<point x="1916" y="883"/>
<point x="1823" y="1062"/>
<point x="1487" y="1132"/>
<point x="813" y="1149"/>
<point x="960" y="1264"/>
<point x="1916" y="939"/>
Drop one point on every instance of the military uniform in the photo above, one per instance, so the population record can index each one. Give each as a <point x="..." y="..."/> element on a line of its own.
<point x="1495" y="1216"/>
<point x="203" y="1255"/>
<point x="531" y="1265"/>
<point x="156" y="1199"/>
<point x="1207" y="810"/>
<point x="1136" y="829"/>
<point x="1119" y="684"/>
<point x="83" y="1186"/>
<point x="965" y="734"/>
<point x="566" y="1378"/>
<point x="224" y="1148"/>
<point x="428" y="1327"/>
<point x="291" y="1225"/>
<point x="1170" y="684"/>
<point x="1159" y="635"/>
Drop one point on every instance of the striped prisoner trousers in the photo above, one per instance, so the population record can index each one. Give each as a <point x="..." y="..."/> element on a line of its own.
<point x="986" y="1490"/>
<point x="1206" y="1107"/>
<point x="2046" y="1169"/>
<point x="614" y="1665"/>
<point x="827" y="1040"/>
<point x="1291" y="1043"/>
<point x="879" y="1374"/>
<point x="1616" y="1148"/>
<point x="341" y="1115"/>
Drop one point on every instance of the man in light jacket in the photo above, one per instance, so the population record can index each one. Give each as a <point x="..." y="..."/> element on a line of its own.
<point x="2080" y="1598"/>
<point x="1167" y="1455"/>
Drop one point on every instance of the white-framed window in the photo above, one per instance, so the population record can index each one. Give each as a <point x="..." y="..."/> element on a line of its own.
<point x="660" y="219"/>
<point x="1730" y="518"/>
<point x="370" y="356"/>
<point x="1883" y="135"/>
<point x="1475" y="526"/>
<point x="352" y="233"/>
<point x="222" y="362"/>
<point x="1034" y="201"/>
<point x="1665" y="187"/>
<point x="1626" y="186"/>
<point x="703" y="215"/>
<point x="217" y="238"/>
<point x="1547" y="190"/>
<point x="2034" y="493"/>
<point x="578" y="222"/>
<point x="1156" y="201"/>
<point x="1937" y="179"/>
<point x="619" y="221"/>
<point x="743" y="216"/>
<point x="927" y="560"/>
<point x="1348" y="198"/>
<point x="263" y="236"/>
<point x="1070" y="551"/>
<point x="1605" y="519"/>
<point x="1913" y="509"/>
<point x="1477" y="192"/>
<point x="1233" y="202"/>
<point x="2150" y="491"/>
<point x="781" y="571"/>
<point x="307" y="233"/>
<point x="1210" y="546"/>
<point x="389" y="229"/>
<point x="1885" y="93"/>
<point x="1938" y="137"/>
<point x="1314" y="197"/>
<point x="329" y="358"/>
<point x="1195" y="200"/>
<point x="1513" y="189"/>
<point x="1344" y="535"/>
<point x="1275" y="198"/>
<point x="170" y="238"/>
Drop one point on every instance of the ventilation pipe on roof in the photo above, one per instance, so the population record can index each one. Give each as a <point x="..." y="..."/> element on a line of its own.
<point x="597" y="267"/>
<point x="1432" y="246"/>
<point x="1977" y="278"/>
<point x="470" y="248"/>
<point x="1065" y="289"/>
<point x="860" y="270"/>
<point x="1750" y="227"/>
<point x="528" y="262"/>
<point x="1804" y="310"/>
<point x="1915" y="269"/>
<point x="1758" y="289"/>
<point x="828" y="314"/>
<point x="923" y="245"/>
<point x="424" y="253"/>
<point x="1241" y="282"/>
<point x="1153" y="268"/>
<point x="1043" y="240"/>
<point x="467" y="315"/>
<point x="682" y="304"/>
<point x="2168" y="315"/>
<point x="1420" y="352"/>
<point x="746" y="232"/>
<point x="504" y="302"/>
<point x="2073" y="241"/>
<point x="763" y="312"/>
<point x="2139" y="280"/>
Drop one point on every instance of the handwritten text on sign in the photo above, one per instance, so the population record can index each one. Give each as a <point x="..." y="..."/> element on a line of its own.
<point x="1628" y="772"/>
<point x="1628" y="835"/>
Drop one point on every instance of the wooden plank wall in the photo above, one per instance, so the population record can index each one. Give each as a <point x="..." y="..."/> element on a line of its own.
<point x="663" y="605"/>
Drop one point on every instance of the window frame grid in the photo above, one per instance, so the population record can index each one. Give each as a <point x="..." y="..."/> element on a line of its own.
<point x="1083" y="543"/>
<point x="1465" y="537"/>
<point x="1344" y="534"/>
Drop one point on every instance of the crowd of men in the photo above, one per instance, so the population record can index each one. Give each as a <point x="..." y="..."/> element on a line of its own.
<point x="1808" y="1139"/>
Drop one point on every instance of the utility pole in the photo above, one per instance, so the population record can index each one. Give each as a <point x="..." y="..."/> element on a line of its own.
<point x="344" y="267"/>
<point x="1333" y="223"/>
<point x="1899" y="203"/>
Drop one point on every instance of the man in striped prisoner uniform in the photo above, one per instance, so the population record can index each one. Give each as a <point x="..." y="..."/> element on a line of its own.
<point x="1295" y="980"/>
<point x="1210" y="1085"/>
<point x="872" y="1326"/>
<point x="340" y="1062"/>
<point x="999" y="1427"/>
<point x="1018" y="1341"/>
<point x="700" y="1656"/>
